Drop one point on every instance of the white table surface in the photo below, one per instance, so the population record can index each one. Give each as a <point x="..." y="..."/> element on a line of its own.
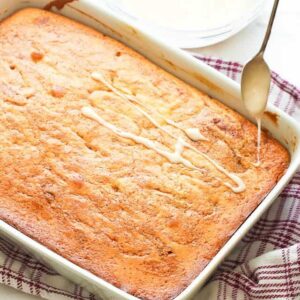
<point x="283" y="56"/>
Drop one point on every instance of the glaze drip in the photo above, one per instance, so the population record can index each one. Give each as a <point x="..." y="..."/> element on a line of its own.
<point x="195" y="135"/>
<point x="174" y="157"/>
<point x="190" y="132"/>
<point x="258" y="146"/>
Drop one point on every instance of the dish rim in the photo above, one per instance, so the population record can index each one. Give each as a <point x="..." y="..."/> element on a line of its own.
<point x="64" y="266"/>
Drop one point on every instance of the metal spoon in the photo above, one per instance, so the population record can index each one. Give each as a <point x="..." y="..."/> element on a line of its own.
<point x="256" y="76"/>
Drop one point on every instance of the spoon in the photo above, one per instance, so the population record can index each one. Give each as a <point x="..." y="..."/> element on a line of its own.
<point x="256" y="76"/>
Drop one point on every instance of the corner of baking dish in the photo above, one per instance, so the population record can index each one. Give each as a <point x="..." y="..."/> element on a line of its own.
<point x="191" y="70"/>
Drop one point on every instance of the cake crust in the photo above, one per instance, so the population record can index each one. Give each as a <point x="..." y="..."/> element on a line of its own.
<point x="112" y="206"/>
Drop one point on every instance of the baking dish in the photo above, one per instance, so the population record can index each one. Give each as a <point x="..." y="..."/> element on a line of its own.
<point x="184" y="66"/>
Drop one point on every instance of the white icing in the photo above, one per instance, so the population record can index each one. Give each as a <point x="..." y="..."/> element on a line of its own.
<point x="194" y="134"/>
<point x="190" y="132"/>
<point x="97" y="76"/>
<point x="258" y="146"/>
<point x="239" y="182"/>
<point x="172" y="123"/>
<point x="174" y="157"/>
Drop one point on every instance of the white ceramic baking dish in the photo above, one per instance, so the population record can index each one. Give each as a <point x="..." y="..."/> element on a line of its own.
<point x="279" y="124"/>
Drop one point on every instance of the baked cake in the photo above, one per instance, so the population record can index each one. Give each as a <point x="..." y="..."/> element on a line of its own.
<point x="115" y="164"/>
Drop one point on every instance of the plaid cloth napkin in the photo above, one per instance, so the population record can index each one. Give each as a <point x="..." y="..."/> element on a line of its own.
<point x="265" y="265"/>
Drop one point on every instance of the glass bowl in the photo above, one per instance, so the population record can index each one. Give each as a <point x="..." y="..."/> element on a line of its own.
<point x="191" y="37"/>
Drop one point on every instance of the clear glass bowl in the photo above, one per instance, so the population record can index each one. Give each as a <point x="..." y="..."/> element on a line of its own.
<point x="191" y="37"/>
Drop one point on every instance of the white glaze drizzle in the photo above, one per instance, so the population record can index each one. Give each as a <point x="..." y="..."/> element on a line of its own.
<point x="258" y="146"/>
<point x="174" y="157"/>
<point x="239" y="182"/>
<point x="192" y="133"/>
<point x="195" y="135"/>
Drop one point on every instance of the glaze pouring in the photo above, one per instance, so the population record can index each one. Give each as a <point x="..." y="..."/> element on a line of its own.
<point x="255" y="83"/>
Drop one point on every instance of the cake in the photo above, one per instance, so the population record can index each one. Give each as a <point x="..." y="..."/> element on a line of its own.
<point x="115" y="164"/>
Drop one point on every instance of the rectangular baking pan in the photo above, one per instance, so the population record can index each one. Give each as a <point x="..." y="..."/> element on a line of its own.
<point x="285" y="129"/>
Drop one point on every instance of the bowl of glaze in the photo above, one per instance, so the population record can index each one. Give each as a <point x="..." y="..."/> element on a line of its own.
<point x="189" y="23"/>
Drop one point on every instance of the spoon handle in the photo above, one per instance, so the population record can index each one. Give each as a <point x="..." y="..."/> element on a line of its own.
<point x="269" y="29"/>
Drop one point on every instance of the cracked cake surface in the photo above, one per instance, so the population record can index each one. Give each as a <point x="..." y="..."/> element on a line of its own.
<point x="103" y="201"/>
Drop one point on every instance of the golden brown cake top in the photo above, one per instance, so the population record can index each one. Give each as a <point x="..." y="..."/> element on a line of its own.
<point x="145" y="222"/>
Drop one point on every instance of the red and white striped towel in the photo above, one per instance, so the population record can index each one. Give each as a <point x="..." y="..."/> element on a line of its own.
<point x="265" y="265"/>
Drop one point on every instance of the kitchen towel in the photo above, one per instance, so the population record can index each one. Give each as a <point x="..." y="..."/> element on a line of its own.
<point x="265" y="264"/>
